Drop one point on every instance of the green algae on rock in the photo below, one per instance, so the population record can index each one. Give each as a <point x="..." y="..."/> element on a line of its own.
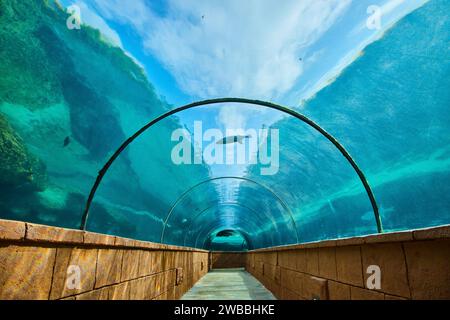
<point x="57" y="83"/>
<point x="18" y="168"/>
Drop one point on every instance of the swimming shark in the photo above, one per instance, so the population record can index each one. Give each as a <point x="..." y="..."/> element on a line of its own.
<point x="233" y="139"/>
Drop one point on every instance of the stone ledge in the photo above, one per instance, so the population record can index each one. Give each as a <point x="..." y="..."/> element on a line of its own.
<point x="92" y="238"/>
<point x="434" y="233"/>
<point x="389" y="237"/>
<point x="41" y="233"/>
<point x="24" y="231"/>
<point x="19" y="231"/>
<point x="353" y="241"/>
<point x="145" y="245"/>
<point x="12" y="230"/>
<point x="441" y="232"/>
<point x="124" y="242"/>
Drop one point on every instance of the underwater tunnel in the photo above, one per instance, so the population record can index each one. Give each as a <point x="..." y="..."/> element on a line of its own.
<point x="251" y="200"/>
<point x="335" y="158"/>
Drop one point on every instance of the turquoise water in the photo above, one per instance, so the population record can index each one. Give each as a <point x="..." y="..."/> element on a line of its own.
<point x="69" y="99"/>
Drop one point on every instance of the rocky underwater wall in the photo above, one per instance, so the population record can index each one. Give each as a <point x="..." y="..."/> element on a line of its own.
<point x="390" y="108"/>
<point x="68" y="99"/>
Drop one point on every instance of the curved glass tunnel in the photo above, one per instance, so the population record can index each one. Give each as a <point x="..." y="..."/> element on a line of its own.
<point x="195" y="174"/>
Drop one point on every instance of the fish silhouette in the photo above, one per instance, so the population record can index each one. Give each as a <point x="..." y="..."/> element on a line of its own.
<point x="66" y="141"/>
<point x="232" y="139"/>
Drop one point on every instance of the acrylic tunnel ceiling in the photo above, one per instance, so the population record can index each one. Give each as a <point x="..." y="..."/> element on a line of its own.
<point x="80" y="78"/>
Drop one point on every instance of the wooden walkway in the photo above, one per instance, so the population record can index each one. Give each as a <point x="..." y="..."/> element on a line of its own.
<point x="228" y="284"/>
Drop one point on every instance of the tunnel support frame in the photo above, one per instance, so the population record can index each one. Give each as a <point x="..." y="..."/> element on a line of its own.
<point x="270" y="105"/>
<point x="273" y="193"/>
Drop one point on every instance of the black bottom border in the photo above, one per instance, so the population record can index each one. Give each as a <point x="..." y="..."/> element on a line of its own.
<point x="223" y="309"/>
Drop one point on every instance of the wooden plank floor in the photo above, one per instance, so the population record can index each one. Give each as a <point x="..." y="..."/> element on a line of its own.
<point x="228" y="284"/>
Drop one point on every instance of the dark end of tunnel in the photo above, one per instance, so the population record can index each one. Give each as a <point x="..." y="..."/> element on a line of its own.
<point x="228" y="240"/>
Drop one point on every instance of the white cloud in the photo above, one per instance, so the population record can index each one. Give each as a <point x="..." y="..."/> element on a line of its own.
<point x="89" y="17"/>
<point x="232" y="117"/>
<point x="230" y="48"/>
<point x="390" y="12"/>
<point x="315" y="56"/>
<point x="390" y="6"/>
<point x="135" y="13"/>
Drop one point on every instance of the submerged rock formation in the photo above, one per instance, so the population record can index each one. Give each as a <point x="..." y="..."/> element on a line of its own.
<point x="390" y="108"/>
<point x="18" y="168"/>
<point x="73" y="97"/>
